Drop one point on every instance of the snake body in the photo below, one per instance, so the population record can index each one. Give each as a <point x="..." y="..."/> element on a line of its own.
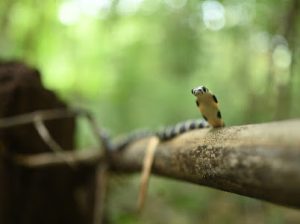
<point x="207" y="104"/>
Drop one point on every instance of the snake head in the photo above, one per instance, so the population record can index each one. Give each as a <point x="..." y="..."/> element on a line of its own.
<point x="199" y="90"/>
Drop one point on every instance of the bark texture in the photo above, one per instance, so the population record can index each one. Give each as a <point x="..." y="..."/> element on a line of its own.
<point x="260" y="161"/>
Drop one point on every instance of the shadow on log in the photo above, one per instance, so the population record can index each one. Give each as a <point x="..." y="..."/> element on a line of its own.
<point x="260" y="161"/>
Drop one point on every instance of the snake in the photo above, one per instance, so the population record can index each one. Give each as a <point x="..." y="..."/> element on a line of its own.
<point x="208" y="105"/>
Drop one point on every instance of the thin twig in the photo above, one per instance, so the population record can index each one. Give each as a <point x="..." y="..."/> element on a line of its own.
<point x="22" y="119"/>
<point x="86" y="156"/>
<point x="147" y="164"/>
<point x="45" y="135"/>
<point x="100" y="133"/>
<point x="100" y="192"/>
<point x="47" y="159"/>
<point x="47" y="138"/>
<point x="53" y="114"/>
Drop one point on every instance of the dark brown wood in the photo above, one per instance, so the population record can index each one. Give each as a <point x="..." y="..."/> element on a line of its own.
<point x="260" y="161"/>
<point x="46" y="195"/>
<point x="22" y="91"/>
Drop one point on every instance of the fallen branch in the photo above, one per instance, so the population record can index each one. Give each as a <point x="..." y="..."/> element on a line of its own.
<point x="37" y="117"/>
<point x="51" y="114"/>
<point x="260" y="161"/>
<point x="88" y="156"/>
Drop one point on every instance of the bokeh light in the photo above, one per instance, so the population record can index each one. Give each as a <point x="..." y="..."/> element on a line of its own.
<point x="213" y="14"/>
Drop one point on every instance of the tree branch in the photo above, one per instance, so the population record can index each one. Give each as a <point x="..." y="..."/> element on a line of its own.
<point x="260" y="161"/>
<point x="50" y="159"/>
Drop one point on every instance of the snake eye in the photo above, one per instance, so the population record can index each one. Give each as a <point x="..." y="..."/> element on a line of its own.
<point x="204" y="89"/>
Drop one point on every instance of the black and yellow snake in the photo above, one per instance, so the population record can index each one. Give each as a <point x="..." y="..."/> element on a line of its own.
<point x="207" y="104"/>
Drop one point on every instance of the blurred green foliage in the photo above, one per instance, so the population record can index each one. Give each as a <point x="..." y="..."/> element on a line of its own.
<point x="133" y="63"/>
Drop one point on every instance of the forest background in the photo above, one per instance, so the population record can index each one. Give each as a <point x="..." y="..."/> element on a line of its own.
<point x="133" y="64"/>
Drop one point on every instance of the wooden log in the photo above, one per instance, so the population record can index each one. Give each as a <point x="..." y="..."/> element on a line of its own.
<point x="260" y="161"/>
